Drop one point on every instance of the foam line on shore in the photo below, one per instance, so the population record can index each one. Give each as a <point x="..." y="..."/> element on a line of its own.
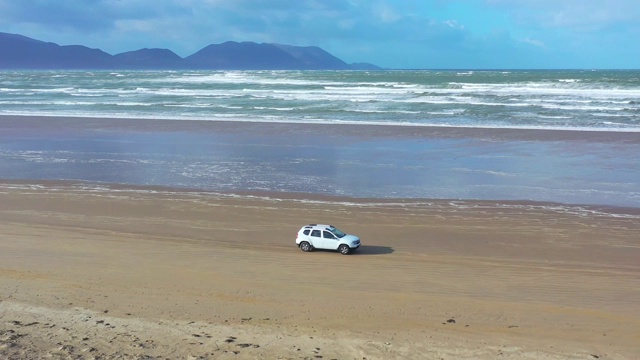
<point x="439" y="205"/>
<point x="354" y="128"/>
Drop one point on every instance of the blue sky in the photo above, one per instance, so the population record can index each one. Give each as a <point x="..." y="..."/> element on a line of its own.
<point x="472" y="34"/>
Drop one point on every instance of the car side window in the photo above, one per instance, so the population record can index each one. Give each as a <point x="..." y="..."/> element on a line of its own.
<point x="328" y="235"/>
<point x="315" y="233"/>
<point x="306" y="232"/>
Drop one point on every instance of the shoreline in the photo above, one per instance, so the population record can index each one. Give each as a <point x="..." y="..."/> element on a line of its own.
<point x="119" y="273"/>
<point x="351" y="129"/>
<point x="314" y="198"/>
<point x="383" y="162"/>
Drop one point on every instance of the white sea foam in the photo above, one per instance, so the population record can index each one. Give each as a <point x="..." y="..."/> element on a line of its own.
<point x="486" y="172"/>
<point x="241" y="77"/>
<point x="452" y="206"/>
<point x="413" y="98"/>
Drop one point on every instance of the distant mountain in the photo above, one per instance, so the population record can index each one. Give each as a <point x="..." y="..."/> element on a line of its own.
<point x="21" y="52"/>
<point x="149" y="59"/>
<point x="242" y="56"/>
<point x="314" y="57"/>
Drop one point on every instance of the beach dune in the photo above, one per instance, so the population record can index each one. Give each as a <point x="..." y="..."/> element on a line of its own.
<point x="112" y="272"/>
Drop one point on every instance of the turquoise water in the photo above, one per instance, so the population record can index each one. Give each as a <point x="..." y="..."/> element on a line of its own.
<point x="601" y="100"/>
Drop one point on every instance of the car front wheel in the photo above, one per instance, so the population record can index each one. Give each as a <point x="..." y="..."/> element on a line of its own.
<point x="344" y="249"/>
<point x="305" y="246"/>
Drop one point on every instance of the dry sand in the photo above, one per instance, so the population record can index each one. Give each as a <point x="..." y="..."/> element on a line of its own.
<point x="128" y="274"/>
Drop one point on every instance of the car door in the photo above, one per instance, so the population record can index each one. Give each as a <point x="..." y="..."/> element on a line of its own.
<point x="329" y="241"/>
<point x="316" y="239"/>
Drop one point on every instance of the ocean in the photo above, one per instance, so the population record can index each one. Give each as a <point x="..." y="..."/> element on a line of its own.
<point x="280" y="154"/>
<point x="601" y="100"/>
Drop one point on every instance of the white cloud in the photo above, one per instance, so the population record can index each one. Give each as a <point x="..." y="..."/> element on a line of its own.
<point x="577" y="15"/>
<point x="453" y="24"/>
<point x="533" y="42"/>
<point x="135" y="25"/>
<point x="385" y="13"/>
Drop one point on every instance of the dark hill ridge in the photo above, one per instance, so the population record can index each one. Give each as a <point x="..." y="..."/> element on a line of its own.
<point x="21" y="52"/>
<point x="149" y="59"/>
<point x="312" y="56"/>
<point x="242" y="56"/>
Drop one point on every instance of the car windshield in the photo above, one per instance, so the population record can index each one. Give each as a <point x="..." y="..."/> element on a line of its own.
<point x="337" y="232"/>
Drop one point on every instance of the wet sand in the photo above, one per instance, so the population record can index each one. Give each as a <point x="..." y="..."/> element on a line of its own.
<point x="364" y="161"/>
<point x="47" y="124"/>
<point x="106" y="272"/>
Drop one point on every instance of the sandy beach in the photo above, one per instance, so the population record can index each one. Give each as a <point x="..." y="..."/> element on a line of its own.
<point x="110" y="272"/>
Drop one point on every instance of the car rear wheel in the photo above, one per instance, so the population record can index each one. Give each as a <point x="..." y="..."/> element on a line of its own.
<point x="344" y="249"/>
<point x="305" y="246"/>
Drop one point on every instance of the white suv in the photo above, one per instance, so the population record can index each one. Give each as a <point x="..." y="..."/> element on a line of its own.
<point x="327" y="237"/>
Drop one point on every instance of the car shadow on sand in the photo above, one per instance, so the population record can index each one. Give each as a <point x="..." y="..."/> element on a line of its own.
<point x="373" y="250"/>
